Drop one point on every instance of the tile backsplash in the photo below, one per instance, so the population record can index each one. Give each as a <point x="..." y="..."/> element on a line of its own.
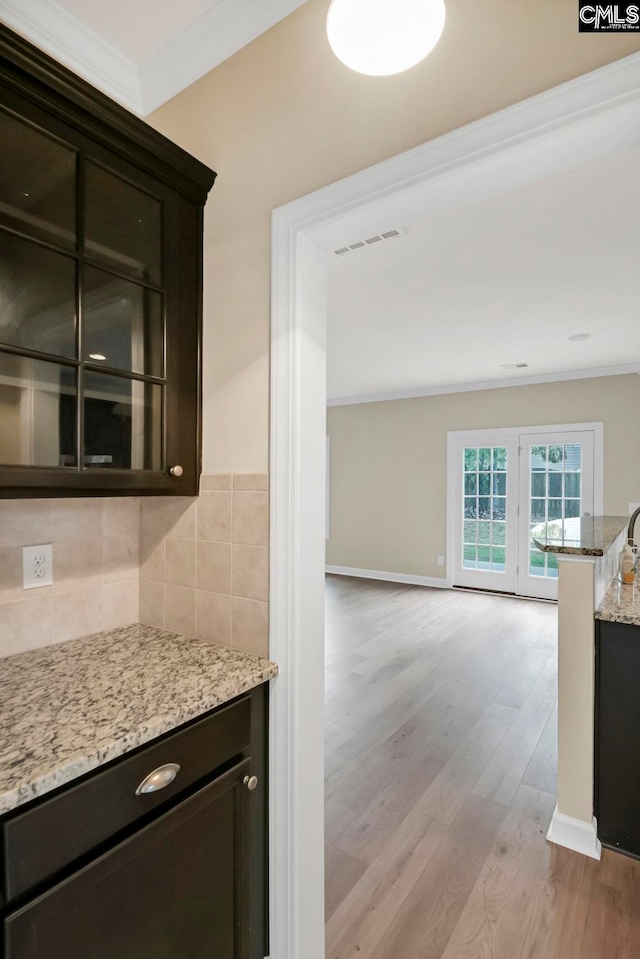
<point x="96" y="565"/>
<point x="198" y="566"/>
<point x="204" y="562"/>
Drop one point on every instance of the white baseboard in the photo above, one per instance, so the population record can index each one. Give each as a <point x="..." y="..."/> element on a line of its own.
<point x="575" y="834"/>
<point x="406" y="578"/>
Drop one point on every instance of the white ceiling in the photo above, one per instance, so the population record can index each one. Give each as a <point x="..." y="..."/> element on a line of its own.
<point x="143" y="52"/>
<point x="506" y="280"/>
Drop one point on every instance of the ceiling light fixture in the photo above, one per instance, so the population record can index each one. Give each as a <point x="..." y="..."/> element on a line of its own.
<point x="97" y="356"/>
<point x="579" y="337"/>
<point x="382" y="37"/>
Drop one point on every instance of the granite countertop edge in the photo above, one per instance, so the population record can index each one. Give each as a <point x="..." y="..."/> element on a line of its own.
<point x="41" y="751"/>
<point x="611" y="528"/>
<point x="621" y="604"/>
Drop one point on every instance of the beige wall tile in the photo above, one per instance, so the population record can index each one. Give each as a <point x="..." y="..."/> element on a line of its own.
<point x="180" y="609"/>
<point x="250" y="626"/>
<point x="251" y="481"/>
<point x="75" y="518"/>
<point x="121" y="558"/>
<point x="121" y="516"/>
<point x="26" y="522"/>
<point x="25" y="625"/>
<point x="180" y="562"/>
<point x="213" y="617"/>
<point x="121" y="604"/>
<point x="76" y="614"/>
<point x="214" y="517"/>
<point x="152" y="517"/>
<point x="77" y="564"/>
<point x="152" y="558"/>
<point x="214" y="567"/>
<point x="152" y="604"/>
<point x="180" y="517"/>
<point x="216" y="481"/>
<point x="250" y="572"/>
<point x="250" y="524"/>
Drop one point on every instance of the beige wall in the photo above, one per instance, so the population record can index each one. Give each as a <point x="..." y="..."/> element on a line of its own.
<point x="283" y="117"/>
<point x="388" y="462"/>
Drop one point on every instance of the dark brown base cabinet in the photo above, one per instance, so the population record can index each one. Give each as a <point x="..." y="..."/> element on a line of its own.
<point x="617" y="753"/>
<point x="184" y="880"/>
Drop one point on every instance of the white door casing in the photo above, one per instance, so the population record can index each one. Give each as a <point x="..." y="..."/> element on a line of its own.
<point x="559" y="130"/>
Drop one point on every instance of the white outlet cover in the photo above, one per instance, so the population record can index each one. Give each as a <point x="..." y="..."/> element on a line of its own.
<point x="440" y="560"/>
<point x="37" y="566"/>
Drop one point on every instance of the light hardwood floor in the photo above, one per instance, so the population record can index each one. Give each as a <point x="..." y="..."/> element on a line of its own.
<point x="441" y="712"/>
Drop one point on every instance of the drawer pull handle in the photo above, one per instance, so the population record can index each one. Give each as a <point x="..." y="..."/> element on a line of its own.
<point x="250" y="782"/>
<point x="160" y="778"/>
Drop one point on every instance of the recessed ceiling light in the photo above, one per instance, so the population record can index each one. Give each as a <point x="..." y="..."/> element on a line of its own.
<point x="97" y="356"/>
<point x="579" y="337"/>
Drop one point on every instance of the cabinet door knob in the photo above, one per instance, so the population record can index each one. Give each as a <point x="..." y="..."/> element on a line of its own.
<point x="250" y="782"/>
<point x="160" y="778"/>
<point x="176" y="470"/>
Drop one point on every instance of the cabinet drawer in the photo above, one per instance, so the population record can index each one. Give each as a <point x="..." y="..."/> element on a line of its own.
<point x="56" y="831"/>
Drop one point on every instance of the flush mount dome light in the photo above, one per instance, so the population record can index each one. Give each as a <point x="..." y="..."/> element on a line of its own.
<point x="382" y="37"/>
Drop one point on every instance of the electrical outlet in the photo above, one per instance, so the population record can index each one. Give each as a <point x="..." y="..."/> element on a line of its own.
<point x="440" y="560"/>
<point x="37" y="566"/>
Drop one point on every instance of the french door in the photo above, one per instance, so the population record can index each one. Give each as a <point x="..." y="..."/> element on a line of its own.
<point x="505" y="483"/>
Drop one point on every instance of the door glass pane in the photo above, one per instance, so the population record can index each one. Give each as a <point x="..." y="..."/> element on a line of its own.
<point x="123" y="226"/>
<point x="122" y="423"/>
<point x="37" y="412"/>
<point x="485" y="476"/>
<point x="556" y="470"/>
<point x="37" y="297"/>
<point x="122" y="323"/>
<point x="37" y="183"/>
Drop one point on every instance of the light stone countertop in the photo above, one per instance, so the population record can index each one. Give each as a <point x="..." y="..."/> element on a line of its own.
<point x="621" y="604"/>
<point x="582" y="536"/>
<point x="66" y="709"/>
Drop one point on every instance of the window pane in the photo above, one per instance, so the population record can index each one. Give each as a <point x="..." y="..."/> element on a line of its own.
<point x="500" y="458"/>
<point x="37" y="297"/>
<point x="484" y="483"/>
<point x="572" y="484"/>
<point x="470" y="507"/>
<point x="555" y="509"/>
<point x="470" y="459"/>
<point x="499" y="534"/>
<point x="37" y="183"/>
<point x="484" y="459"/>
<point x="538" y="514"/>
<point x="470" y="557"/>
<point x="537" y="566"/>
<point x="484" y="507"/>
<point x="555" y="484"/>
<point x="37" y="413"/>
<point x="123" y="225"/>
<point x="471" y="484"/>
<point x="498" y="557"/>
<point x="500" y="484"/>
<point x="538" y="484"/>
<point x="571" y="508"/>
<point x="122" y="324"/>
<point x="499" y="507"/>
<point x="470" y="532"/>
<point x="123" y="423"/>
<point x="484" y="533"/>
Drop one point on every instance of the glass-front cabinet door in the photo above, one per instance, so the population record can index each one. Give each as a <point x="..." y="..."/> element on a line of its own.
<point x="100" y="276"/>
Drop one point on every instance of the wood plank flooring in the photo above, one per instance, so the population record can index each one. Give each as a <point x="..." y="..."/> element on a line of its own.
<point x="441" y="753"/>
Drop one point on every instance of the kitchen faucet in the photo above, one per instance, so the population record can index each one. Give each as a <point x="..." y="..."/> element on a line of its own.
<point x="632" y="526"/>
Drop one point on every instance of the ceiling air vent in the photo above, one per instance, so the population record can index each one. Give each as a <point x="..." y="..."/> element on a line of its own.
<point x="514" y="366"/>
<point x="371" y="240"/>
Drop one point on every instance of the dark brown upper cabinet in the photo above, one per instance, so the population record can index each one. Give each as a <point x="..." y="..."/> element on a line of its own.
<point x="100" y="291"/>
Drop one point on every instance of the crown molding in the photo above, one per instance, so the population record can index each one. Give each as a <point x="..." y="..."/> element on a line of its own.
<point x="213" y="38"/>
<point x="68" y="40"/>
<point x="623" y="370"/>
<point x="219" y="33"/>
